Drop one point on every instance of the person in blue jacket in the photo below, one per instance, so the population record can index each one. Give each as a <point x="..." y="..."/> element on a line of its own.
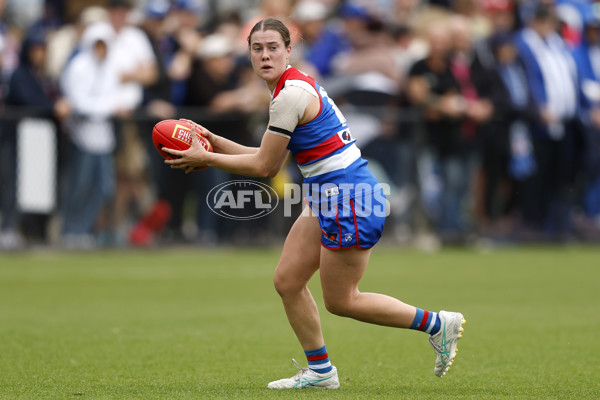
<point x="587" y="59"/>
<point x="29" y="88"/>
<point x="552" y="79"/>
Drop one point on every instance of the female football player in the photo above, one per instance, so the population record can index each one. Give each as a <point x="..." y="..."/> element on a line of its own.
<point x="341" y="224"/>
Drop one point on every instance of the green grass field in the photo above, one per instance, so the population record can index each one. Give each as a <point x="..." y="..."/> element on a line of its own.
<point x="207" y="324"/>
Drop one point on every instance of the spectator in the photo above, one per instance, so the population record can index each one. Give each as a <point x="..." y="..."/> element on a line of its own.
<point x="272" y="8"/>
<point x="403" y="11"/>
<point x="471" y="12"/>
<point x="90" y="83"/>
<point x="478" y="108"/>
<point x="396" y="147"/>
<point x="508" y="162"/>
<point x="9" y="50"/>
<point x="369" y="52"/>
<point x="157" y="99"/>
<point x="157" y="96"/>
<point x="29" y="87"/>
<point x="366" y="76"/>
<point x="221" y="80"/>
<point x="407" y="50"/>
<point x="189" y="13"/>
<point x="9" y="238"/>
<point x="132" y="55"/>
<point x="62" y="44"/>
<point x="185" y="19"/>
<point x="500" y="13"/>
<point x="587" y="59"/>
<point x="551" y="76"/>
<point x="571" y="15"/>
<point x="229" y="24"/>
<point x="433" y="88"/>
<point x="321" y="41"/>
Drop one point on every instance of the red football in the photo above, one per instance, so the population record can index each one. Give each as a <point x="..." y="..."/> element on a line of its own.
<point x="176" y="134"/>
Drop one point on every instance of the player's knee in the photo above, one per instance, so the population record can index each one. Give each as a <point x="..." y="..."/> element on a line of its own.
<point x="284" y="285"/>
<point x="338" y="307"/>
<point x="279" y="284"/>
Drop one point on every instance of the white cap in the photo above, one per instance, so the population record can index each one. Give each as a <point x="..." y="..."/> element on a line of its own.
<point x="215" y="45"/>
<point x="93" y="14"/>
<point x="309" y="10"/>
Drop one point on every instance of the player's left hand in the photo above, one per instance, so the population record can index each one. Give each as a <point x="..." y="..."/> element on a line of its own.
<point x="208" y="135"/>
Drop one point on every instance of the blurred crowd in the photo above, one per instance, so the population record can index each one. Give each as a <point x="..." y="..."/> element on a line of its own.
<point x="482" y="115"/>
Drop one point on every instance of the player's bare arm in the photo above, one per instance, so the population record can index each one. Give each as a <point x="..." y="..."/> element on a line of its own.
<point x="294" y="106"/>
<point x="266" y="161"/>
<point x="221" y="144"/>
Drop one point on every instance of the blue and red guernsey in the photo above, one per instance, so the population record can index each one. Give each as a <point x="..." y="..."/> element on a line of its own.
<point x="324" y="148"/>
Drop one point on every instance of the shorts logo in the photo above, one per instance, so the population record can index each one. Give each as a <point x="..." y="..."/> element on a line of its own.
<point x="332" y="191"/>
<point x="331" y="236"/>
<point x="348" y="237"/>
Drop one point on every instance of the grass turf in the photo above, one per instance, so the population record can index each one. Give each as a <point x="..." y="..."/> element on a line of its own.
<point x="207" y="324"/>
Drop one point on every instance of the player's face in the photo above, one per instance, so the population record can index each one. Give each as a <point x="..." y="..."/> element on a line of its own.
<point x="100" y="50"/>
<point x="269" y="56"/>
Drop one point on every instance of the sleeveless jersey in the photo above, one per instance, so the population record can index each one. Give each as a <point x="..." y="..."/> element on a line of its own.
<point x="324" y="149"/>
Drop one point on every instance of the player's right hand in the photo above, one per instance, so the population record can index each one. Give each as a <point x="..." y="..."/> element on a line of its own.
<point x="202" y="130"/>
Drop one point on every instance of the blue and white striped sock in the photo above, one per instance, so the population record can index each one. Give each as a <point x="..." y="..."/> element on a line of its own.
<point x="318" y="360"/>
<point x="426" y="321"/>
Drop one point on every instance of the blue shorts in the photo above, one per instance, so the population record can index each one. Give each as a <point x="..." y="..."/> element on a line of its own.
<point x="353" y="222"/>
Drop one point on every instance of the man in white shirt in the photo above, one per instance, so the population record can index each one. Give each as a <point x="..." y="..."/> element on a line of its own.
<point x="135" y="63"/>
<point x="132" y="55"/>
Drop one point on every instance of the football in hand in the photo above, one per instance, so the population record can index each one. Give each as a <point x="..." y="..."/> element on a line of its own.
<point x="176" y="134"/>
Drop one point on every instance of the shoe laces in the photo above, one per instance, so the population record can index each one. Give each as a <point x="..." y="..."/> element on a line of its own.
<point x="433" y="343"/>
<point x="302" y="370"/>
